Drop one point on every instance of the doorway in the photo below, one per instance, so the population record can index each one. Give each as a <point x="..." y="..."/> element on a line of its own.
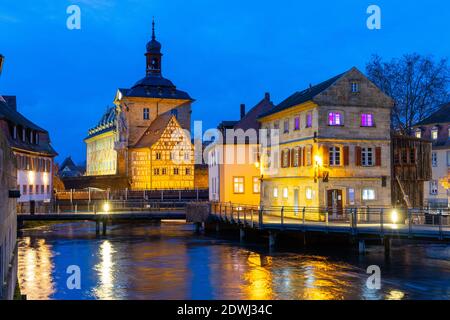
<point x="334" y="202"/>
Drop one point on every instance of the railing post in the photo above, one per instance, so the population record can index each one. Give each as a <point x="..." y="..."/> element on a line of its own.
<point x="282" y="215"/>
<point x="441" y="236"/>
<point x="326" y="217"/>
<point x="382" y="222"/>
<point x="260" y="217"/>
<point x="239" y="215"/>
<point x="409" y="223"/>
<point x="251" y="217"/>
<point x="303" y="215"/>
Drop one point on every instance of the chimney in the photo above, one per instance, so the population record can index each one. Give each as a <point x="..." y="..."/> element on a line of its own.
<point x="267" y="96"/>
<point x="242" y="110"/>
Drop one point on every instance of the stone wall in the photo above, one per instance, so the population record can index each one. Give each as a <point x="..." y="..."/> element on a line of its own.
<point x="8" y="221"/>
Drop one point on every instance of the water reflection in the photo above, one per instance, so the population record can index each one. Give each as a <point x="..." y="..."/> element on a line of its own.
<point x="169" y="262"/>
<point x="105" y="270"/>
<point x="35" y="268"/>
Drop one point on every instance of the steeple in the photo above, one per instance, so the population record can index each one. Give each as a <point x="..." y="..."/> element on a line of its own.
<point x="153" y="55"/>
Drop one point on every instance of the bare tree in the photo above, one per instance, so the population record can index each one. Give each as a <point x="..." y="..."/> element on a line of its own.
<point x="418" y="84"/>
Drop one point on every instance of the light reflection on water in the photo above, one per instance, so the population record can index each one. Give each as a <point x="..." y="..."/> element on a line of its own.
<point x="170" y="262"/>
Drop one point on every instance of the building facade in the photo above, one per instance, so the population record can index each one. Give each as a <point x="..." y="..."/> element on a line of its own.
<point x="331" y="147"/>
<point x="436" y="128"/>
<point x="33" y="151"/>
<point x="129" y="140"/>
<point x="233" y="168"/>
<point x="8" y="213"/>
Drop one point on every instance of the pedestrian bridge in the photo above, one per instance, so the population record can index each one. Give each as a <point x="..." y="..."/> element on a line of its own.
<point x="358" y="223"/>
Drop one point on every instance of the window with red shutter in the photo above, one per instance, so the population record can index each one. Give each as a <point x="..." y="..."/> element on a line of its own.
<point x="345" y="155"/>
<point x="358" y="156"/>
<point x="378" y="156"/>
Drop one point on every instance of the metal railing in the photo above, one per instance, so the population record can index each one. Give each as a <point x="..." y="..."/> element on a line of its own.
<point x="354" y="219"/>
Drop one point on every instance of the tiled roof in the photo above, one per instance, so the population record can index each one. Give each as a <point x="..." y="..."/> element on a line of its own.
<point x="155" y="86"/>
<point x="304" y="95"/>
<point x="10" y="113"/>
<point x="250" y="120"/>
<point x="154" y="131"/>
<point x="442" y="115"/>
<point x="106" y="123"/>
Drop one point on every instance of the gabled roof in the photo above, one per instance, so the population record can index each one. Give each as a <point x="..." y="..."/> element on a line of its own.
<point x="154" y="131"/>
<point x="10" y="113"/>
<point x="442" y="115"/>
<point x="303" y="96"/>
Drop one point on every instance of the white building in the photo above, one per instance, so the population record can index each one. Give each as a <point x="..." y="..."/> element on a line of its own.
<point x="437" y="129"/>
<point x="34" y="153"/>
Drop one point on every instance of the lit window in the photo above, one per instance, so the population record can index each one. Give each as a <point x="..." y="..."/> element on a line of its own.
<point x="433" y="187"/>
<point x="156" y="171"/>
<point x="434" y="133"/>
<point x="24" y="189"/>
<point x="163" y="171"/>
<point x="275" y="192"/>
<point x="368" y="194"/>
<point x="335" y="156"/>
<point x="297" y="123"/>
<point x="351" y="196"/>
<point x="367" y="157"/>
<point x="309" y="193"/>
<point x="355" y="87"/>
<point x="146" y="113"/>
<point x="158" y="156"/>
<point x="434" y="160"/>
<point x="309" y="120"/>
<point x="256" y="185"/>
<point x="366" y="120"/>
<point x="238" y="184"/>
<point x="418" y="134"/>
<point x="285" y="193"/>
<point x="334" y="119"/>
<point x="176" y="171"/>
<point x="188" y="171"/>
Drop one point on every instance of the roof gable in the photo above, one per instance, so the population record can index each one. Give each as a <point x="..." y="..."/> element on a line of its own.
<point x="442" y="115"/>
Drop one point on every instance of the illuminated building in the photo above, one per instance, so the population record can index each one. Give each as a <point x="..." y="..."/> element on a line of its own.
<point x="334" y="147"/>
<point x="130" y="140"/>
<point x="233" y="168"/>
<point x="436" y="128"/>
<point x="34" y="153"/>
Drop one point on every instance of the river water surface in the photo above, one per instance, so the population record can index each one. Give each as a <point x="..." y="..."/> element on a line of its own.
<point x="169" y="261"/>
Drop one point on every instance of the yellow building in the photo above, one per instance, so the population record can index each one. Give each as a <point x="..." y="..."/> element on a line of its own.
<point x="233" y="168"/>
<point x="331" y="147"/>
<point x="132" y="136"/>
<point x="163" y="158"/>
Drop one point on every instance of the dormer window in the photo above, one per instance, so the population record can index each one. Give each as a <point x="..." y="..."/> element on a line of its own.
<point x="418" y="134"/>
<point x="355" y="87"/>
<point x="334" y="119"/>
<point x="15" y="132"/>
<point x="31" y="137"/>
<point x="434" y="133"/>
<point x="36" y="139"/>
<point x="24" y="134"/>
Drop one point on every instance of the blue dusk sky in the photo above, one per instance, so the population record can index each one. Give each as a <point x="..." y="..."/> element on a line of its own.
<point x="222" y="53"/>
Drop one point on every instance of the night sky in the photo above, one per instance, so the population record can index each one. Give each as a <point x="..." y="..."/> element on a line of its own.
<point x="222" y="53"/>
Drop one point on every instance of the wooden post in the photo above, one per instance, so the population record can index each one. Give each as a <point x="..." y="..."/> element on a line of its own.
<point x="409" y="223"/>
<point x="382" y="223"/>
<point x="97" y="227"/>
<point x="361" y="246"/>
<point x="251" y="216"/>
<point x="104" y="226"/>
<point x="241" y="234"/>
<point x="387" y="246"/>
<point x="441" y="236"/>
<point x="282" y="215"/>
<point x="272" y="239"/>
<point x="260" y="218"/>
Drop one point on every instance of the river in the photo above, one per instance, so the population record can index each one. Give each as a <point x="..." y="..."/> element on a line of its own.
<point x="169" y="261"/>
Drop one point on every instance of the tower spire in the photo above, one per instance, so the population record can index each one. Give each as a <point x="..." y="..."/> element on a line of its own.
<point x="153" y="29"/>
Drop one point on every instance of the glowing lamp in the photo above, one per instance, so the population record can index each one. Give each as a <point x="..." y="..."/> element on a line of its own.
<point x="106" y="207"/>
<point x="394" y="216"/>
<point x="257" y="165"/>
<point x="318" y="160"/>
<point x="31" y="177"/>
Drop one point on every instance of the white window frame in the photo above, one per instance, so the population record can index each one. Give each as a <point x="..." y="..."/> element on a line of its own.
<point x="367" y="157"/>
<point x="368" y="197"/>
<point x="275" y="192"/>
<point x="434" y="134"/>
<point x="309" y="193"/>
<point x="256" y="185"/>
<point x="238" y="185"/>
<point x="434" y="159"/>
<point x="335" y="156"/>
<point x="434" y="188"/>
<point x="285" y="193"/>
<point x="355" y="87"/>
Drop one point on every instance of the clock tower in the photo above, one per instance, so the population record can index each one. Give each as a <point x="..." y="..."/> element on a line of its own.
<point x="153" y="55"/>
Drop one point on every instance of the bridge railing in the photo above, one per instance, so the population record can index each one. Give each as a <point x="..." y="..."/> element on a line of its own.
<point x="353" y="218"/>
